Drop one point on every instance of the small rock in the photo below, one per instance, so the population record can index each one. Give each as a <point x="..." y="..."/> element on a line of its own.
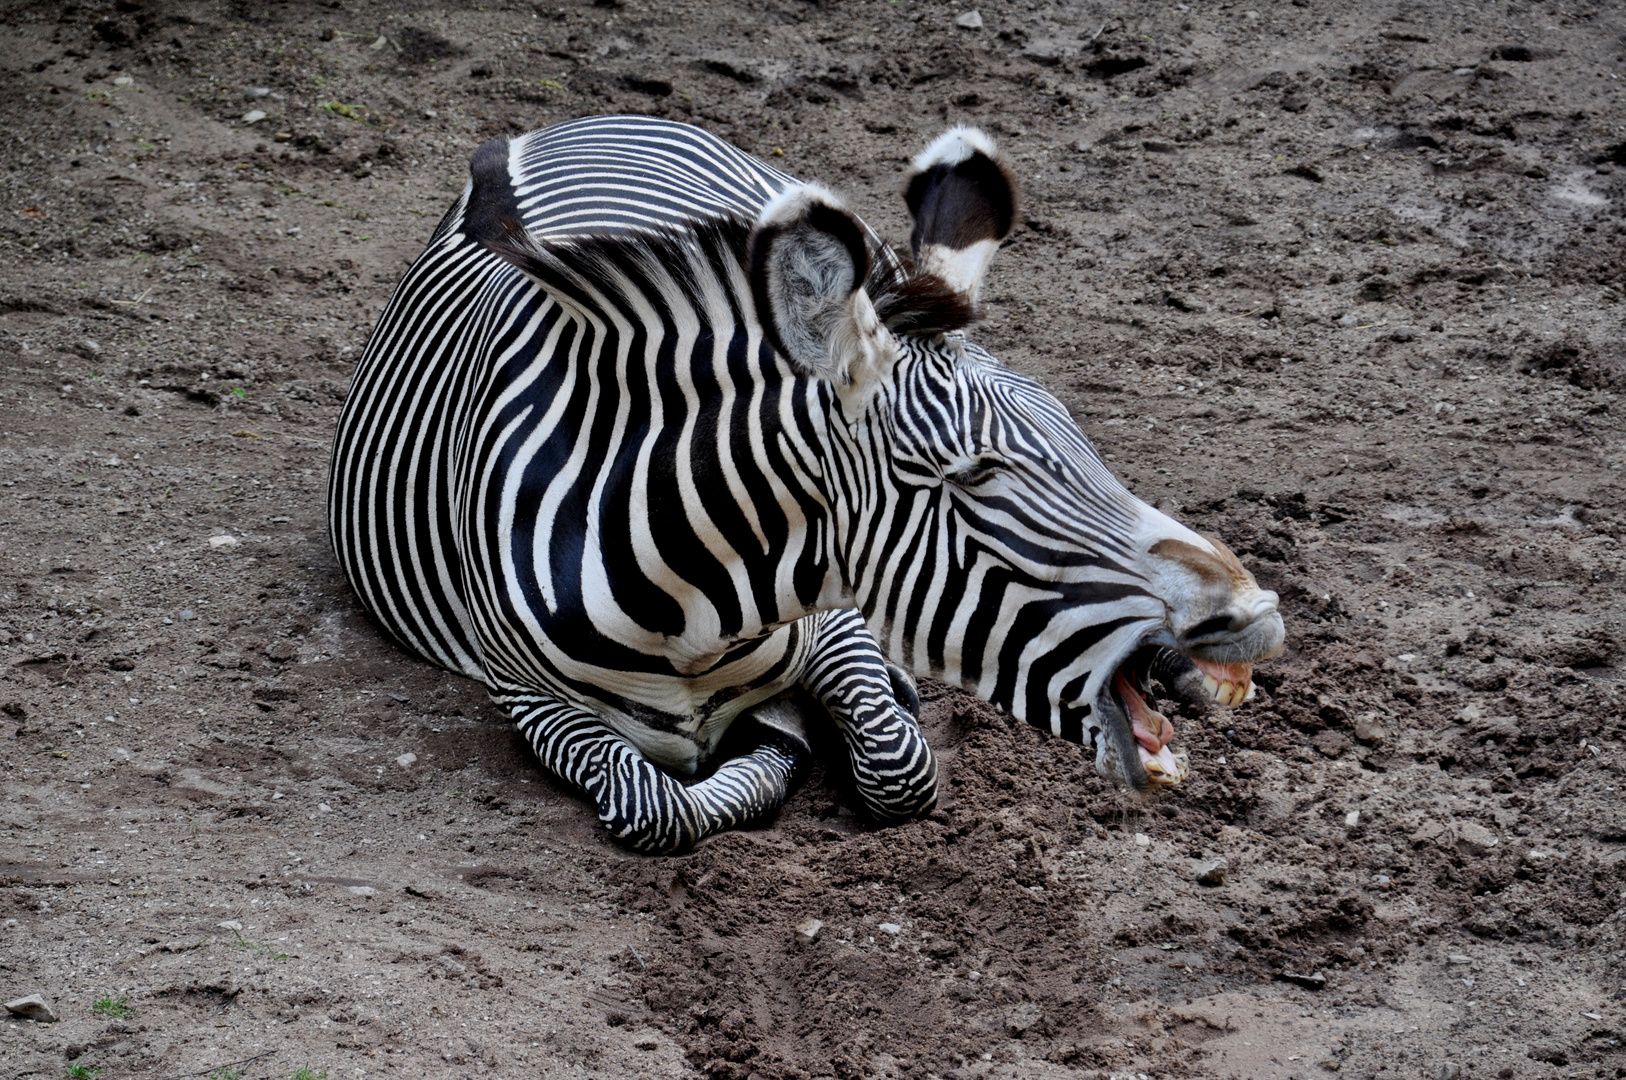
<point x="1318" y="981"/>
<point x="1474" y="839"/>
<point x="1404" y="334"/>
<point x="1369" y="728"/>
<point x="1450" y="1071"/>
<point x="406" y="759"/>
<point x="254" y="116"/>
<point x="1430" y="832"/>
<point x="1295" y="103"/>
<point x="361" y="890"/>
<point x="380" y="43"/>
<point x="807" y="931"/>
<point x="1212" y="875"/>
<point x="281" y="650"/>
<point x="123" y="80"/>
<point x="1157" y="146"/>
<point x="1352" y="819"/>
<point x="33" y="1007"/>
<point x="970" y="20"/>
<point x="324" y="808"/>
<point x="257" y="92"/>
<point x="1458" y="958"/>
<point x="1142" y="840"/>
<point x="890" y="928"/>
<point x="1349" y="319"/>
<point x="231" y="924"/>
<point x="430" y="114"/>
<point x="222" y="541"/>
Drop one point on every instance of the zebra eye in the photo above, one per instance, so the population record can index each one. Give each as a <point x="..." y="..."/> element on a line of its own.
<point x="976" y="474"/>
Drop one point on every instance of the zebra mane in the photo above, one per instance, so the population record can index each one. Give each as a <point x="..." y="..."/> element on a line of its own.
<point x="906" y="301"/>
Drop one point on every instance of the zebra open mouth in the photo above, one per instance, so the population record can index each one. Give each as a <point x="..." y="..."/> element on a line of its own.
<point x="1141" y="737"/>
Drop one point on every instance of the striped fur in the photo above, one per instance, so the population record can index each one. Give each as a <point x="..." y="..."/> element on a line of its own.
<point x="572" y="465"/>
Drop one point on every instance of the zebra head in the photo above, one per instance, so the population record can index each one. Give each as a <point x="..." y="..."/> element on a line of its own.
<point x="978" y="530"/>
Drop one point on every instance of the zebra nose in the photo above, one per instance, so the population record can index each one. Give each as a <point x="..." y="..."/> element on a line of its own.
<point x="1246" y="628"/>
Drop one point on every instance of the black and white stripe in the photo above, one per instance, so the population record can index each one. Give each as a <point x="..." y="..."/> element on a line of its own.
<point x="652" y="439"/>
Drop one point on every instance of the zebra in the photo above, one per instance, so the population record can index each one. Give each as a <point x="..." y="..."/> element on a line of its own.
<point x="660" y="443"/>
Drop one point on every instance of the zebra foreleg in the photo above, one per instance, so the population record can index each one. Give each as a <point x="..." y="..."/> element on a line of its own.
<point x="893" y="768"/>
<point x="640" y="805"/>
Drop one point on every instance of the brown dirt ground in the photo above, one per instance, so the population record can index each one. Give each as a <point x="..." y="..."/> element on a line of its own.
<point x="1342" y="282"/>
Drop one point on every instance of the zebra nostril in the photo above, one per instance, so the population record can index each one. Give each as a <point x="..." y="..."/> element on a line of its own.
<point x="1219" y="624"/>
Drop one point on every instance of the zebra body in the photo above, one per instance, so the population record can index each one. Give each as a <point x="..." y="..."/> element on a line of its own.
<point x="652" y="438"/>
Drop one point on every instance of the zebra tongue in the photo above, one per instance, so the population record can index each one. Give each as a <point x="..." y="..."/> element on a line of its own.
<point x="1152" y="729"/>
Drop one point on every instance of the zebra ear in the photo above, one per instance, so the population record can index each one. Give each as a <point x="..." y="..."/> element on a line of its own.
<point x="963" y="199"/>
<point x="809" y="259"/>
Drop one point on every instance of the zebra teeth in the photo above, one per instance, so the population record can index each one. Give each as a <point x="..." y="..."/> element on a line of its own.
<point x="1167" y="767"/>
<point x="1228" y="684"/>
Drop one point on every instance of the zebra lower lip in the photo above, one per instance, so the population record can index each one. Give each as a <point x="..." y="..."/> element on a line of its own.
<point x="1153" y="733"/>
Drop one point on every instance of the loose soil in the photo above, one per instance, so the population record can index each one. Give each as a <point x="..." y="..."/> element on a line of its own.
<point x="1339" y="282"/>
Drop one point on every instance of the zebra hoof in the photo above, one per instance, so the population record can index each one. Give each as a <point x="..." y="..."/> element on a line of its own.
<point x="903" y="688"/>
<point x="784" y="725"/>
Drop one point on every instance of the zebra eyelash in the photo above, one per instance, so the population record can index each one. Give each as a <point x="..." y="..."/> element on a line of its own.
<point x="976" y="474"/>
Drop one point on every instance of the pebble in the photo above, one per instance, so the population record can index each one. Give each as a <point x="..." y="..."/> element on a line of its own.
<point x="257" y="92"/>
<point x="1369" y="728"/>
<point x="971" y="20"/>
<point x="123" y="80"/>
<point x="1142" y="840"/>
<point x="807" y="931"/>
<point x="1212" y="875"/>
<point x="1352" y="819"/>
<point x="1459" y="958"/>
<point x="890" y="928"/>
<point x="1318" y="981"/>
<point x="406" y="759"/>
<point x="254" y="116"/>
<point x="362" y="890"/>
<point x="1450" y="1071"/>
<point x="1474" y="839"/>
<point x="33" y="1007"/>
<point x="222" y="541"/>
<point x="231" y="924"/>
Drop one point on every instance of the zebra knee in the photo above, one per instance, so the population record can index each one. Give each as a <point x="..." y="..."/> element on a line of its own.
<point x="650" y="812"/>
<point x="644" y="810"/>
<point x="898" y="795"/>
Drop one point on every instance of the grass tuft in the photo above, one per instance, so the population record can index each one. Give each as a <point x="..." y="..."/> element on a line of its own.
<point x="116" y="1007"/>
